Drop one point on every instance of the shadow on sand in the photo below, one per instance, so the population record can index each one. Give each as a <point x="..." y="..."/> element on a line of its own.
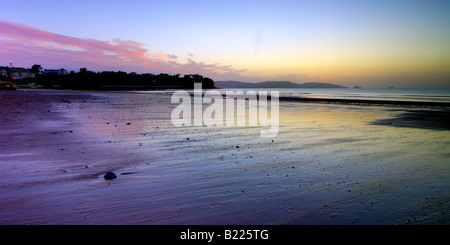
<point x="425" y="119"/>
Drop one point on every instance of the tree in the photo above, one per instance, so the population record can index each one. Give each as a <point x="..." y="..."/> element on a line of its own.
<point x="36" y="68"/>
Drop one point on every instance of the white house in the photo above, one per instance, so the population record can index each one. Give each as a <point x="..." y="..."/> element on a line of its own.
<point x="61" y="72"/>
<point x="20" y="73"/>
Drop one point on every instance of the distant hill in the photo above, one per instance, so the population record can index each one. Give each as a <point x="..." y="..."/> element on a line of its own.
<point x="273" y="84"/>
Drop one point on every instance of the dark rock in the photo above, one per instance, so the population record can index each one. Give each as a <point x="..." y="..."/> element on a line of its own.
<point x="110" y="176"/>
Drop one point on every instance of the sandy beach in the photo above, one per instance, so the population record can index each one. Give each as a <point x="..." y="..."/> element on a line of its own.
<point x="331" y="163"/>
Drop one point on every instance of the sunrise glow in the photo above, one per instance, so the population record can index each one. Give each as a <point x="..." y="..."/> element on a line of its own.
<point x="370" y="43"/>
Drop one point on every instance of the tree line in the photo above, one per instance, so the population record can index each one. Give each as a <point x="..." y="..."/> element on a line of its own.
<point x="121" y="81"/>
<point x="114" y="80"/>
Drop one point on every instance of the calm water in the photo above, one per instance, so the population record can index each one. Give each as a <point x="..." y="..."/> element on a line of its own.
<point x="411" y="94"/>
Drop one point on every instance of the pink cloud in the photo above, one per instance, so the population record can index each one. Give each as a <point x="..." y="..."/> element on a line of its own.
<point x="163" y="56"/>
<point x="26" y="45"/>
<point x="25" y="41"/>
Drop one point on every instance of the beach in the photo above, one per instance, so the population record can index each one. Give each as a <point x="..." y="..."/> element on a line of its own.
<point x="331" y="163"/>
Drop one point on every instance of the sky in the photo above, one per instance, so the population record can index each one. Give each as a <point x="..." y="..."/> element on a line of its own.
<point x="373" y="44"/>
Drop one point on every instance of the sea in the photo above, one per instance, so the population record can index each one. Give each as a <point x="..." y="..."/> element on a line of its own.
<point x="394" y="94"/>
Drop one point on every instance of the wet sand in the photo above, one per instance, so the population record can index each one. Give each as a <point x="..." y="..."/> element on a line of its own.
<point x="331" y="163"/>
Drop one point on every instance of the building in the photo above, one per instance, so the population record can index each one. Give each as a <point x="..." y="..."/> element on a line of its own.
<point x="4" y="71"/>
<point x="60" y="72"/>
<point x="20" y="73"/>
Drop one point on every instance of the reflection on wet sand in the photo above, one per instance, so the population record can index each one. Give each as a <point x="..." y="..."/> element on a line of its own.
<point x="329" y="164"/>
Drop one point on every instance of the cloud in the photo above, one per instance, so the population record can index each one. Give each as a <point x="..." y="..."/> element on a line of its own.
<point x="26" y="45"/>
<point x="211" y="67"/>
<point x="163" y="56"/>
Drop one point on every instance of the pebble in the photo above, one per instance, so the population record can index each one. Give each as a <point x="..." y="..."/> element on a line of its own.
<point x="110" y="176"/>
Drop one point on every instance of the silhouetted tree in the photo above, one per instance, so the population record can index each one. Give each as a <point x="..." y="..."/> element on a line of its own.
<point x="36" y="69"/>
